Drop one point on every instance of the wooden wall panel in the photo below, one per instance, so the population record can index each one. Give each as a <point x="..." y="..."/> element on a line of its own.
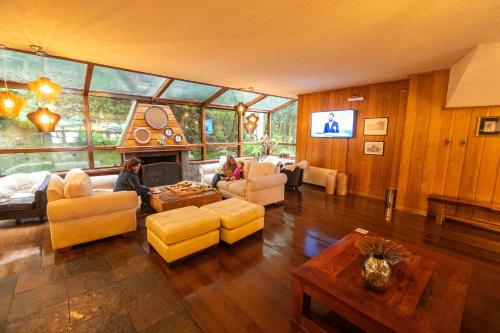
<point x="466" y="167"/>
<point x="368" y="175"/>
<point x="137" y="120"/>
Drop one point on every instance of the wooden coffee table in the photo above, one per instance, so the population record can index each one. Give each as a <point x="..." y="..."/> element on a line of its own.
<point x="425" y="295"/>
<point x="166" y="200"/>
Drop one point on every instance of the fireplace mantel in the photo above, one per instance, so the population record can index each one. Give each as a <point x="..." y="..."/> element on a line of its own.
<point x="143" y="149"/>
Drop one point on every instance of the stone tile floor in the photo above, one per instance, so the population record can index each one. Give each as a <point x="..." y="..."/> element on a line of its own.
<point x="111" y="285"/>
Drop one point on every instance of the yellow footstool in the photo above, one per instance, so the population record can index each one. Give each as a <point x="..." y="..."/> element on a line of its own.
<point x="177" y="233"/>
<point x="238" y="218"/>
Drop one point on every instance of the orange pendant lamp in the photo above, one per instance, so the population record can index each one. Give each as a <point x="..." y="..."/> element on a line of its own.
<point x="44" y="119"/>
<point x="241" y="108"/>
<point x="45" y="90"/>
<point x="251" y="123"/>
<point x="10" y="104"/>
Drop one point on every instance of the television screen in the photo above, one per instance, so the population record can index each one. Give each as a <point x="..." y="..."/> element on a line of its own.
<point x="209" y="126"/>
<point x="333" y="124"/>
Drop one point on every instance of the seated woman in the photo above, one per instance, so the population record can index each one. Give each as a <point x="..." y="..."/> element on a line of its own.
<point x="128" y="180"/>
<point x="226" y="171"/>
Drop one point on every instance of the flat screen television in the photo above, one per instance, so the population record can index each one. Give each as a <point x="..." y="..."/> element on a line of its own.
<point x="333" y="124"/>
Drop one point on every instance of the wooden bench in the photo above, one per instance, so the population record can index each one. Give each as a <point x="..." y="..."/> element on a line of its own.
<point x="441" y="214"/>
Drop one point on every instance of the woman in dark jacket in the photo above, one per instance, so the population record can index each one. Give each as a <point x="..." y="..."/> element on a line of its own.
<point x="128" y="180"/>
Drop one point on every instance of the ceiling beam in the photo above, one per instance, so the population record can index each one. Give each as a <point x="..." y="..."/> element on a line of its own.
<point x="214" y="96"/>
<point x="256" y="100"/>
<point x="283" y="105"/>
<point x="88" y="79"/>
<point x="163" y="88"/>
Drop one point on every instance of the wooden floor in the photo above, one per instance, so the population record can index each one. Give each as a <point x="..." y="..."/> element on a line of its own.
<point x="247" y="287"/>
<point x="113" y="284"/>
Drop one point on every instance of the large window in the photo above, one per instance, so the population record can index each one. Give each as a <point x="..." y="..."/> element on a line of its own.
<point x="215" y="152"/>
<point x="283" y="129"/>
<point x="269" y="103"/>
<point x="189" y="91"/>
<point x="124" y="82"/>
<point x="189" y="119"/>
<point x="107" y="158"/>
<point x="221" y="126"/>
<point x="50" y="161"/>
<point x="70" y="131"/>
<point x="233" y="97"/>
<point x="109" y="119"/>
<point x="251" y="145"/>
<point x="25" y="67"/>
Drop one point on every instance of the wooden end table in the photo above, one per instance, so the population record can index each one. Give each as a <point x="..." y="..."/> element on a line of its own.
<point x="166" y="200"/>
<point x="425" y="295"/>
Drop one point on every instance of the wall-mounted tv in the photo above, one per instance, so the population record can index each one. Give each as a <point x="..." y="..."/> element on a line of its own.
<point x="333" y="124"/>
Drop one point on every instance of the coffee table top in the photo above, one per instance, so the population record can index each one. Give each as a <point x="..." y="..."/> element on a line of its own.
<point x="167" y="200"/>
<point x="425" y="295"/>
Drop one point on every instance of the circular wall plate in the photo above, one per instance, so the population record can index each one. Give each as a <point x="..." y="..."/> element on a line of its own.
<point x="156" y="117"/>
<point x="178" y="138"/>
<point x="142" y="135"/>
<point x="169" y="131"/>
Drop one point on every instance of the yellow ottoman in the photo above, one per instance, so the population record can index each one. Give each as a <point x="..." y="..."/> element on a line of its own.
<point x="238" y="218"/>
<point x="177" y="233"/>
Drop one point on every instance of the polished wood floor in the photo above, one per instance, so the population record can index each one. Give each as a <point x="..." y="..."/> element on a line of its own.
<point x="247" y="287"/>
<point x="118" y="284"/>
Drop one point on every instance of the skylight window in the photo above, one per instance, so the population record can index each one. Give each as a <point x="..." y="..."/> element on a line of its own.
<point x="270" y="103"/>
<point x="189" y="91"/>
<point x="114" y="80"/>
<point x="24" y="67"/>
<point x="233" y="97"/>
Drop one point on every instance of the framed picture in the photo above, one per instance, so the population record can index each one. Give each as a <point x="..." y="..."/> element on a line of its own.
<point x="488" y="126"/>
<point x="375" y="126"/>
<point x="374" y="148"/>
<point x="209" y="126"/>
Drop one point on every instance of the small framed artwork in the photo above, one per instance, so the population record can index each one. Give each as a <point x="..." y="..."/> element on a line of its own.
<point x="488" y="126"/>
<point x="375" y="126"/>
<point x="374" y="148"/>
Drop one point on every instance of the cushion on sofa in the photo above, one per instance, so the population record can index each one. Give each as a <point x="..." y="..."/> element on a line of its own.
<point x="234" y="212"/>
<point x="237" y="187"/>
<point x="261" y="169"/>
<point x="103" y="182"/>
<point x="180" y="224"/>
<point x="223" y="185"/>
<point x="55" y="190"/>
<point x="77" y="184"/>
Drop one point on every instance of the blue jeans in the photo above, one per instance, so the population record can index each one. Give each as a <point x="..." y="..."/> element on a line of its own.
<point x="215" y="180"/>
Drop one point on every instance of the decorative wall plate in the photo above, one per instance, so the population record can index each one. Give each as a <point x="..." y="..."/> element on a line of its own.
<point x="169" y="131"/>
<point x="178" y="138"/>
<point x="142" y="135"/>
<point x="156" y="117"/>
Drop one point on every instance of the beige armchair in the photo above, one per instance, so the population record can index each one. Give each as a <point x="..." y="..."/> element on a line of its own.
<point x="76" y="215"/>
<point x="263" y="184"/>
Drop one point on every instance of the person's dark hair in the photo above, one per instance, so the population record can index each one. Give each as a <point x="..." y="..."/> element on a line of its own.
<point x="331" y="114"/>
<point x="130" y="163"/>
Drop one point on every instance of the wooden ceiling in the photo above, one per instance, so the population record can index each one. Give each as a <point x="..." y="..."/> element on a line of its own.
<point x="282" y="47"/>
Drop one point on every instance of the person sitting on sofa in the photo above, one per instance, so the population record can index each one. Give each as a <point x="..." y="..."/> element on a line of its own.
<point x="237" y="174"/>
<point x="128" y="180"/>
<point x="226" y="171"/>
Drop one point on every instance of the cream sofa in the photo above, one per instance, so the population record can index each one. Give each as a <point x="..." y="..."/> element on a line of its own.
<point x="263" y="184"/>
<point x="78" y="214"/>
<point x="317" y="176"/>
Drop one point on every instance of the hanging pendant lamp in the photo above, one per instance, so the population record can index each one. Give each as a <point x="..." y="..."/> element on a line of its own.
<point x="44" y="119"/>
<point x="241" y="108"/>
<point x="11" y="104"/>
<point x="45" y="90"/>
<point x="251" y="123"/>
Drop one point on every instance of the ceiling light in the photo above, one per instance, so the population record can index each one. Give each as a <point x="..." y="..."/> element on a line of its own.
<point x="44" y="119"/>
<point x="45" y="90"/>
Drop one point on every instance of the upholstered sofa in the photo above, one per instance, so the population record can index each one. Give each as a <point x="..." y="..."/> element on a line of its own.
<point x="263" y="184"/>
<point x="78" y="214"/>
<point x="317" y="176"/>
